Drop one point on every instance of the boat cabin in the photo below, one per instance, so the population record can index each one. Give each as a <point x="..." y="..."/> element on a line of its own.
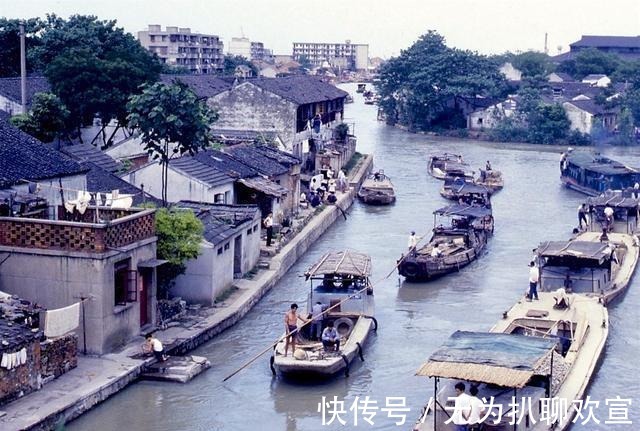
<point x="456" y="187"/>
<point x="625" y="207"/>
<point x="338" y="276"/>
<point x="501" y="366"/>
<point x="593" y="174"/>
<point x="589" y="265"/>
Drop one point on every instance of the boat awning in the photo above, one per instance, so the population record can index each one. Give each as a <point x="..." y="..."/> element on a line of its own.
<point x="508" y="360"/>
<point x="614" y="200"/>
<point x="463" y="211"/>
<point x="599" y="164"/>
<point x="577" y="249"/>
<point x="264" y="185"/>
<point x="345" y="262"/>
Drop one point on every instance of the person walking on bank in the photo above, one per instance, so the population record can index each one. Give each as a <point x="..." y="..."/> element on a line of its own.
<point x="534" y="276"/>
<point x="268" y="223"/>
<point x="582" y="216"/>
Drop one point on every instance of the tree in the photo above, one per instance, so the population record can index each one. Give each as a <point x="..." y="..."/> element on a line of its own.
<point x="233" y="61"/>
<point x="47" y="120"/>
<point x="172" y="121"/>
<point x="548" y="124"/>
<point x="626" y="130"/>
<point x="590" y="61"/>
<point x="305" y="63"/>
<point x="425" y="86"/>
<point x="10" y="46"/>
<point x="179" y="235"/>
<point x="532" y="64"/>
<point x="94" y="67"/>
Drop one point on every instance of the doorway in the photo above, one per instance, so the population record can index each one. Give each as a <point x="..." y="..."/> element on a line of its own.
<point x="237" y="257"/>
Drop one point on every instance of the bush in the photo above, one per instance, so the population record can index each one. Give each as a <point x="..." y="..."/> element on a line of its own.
<point x="578" y="139"/>
<point x="508" y="130"/>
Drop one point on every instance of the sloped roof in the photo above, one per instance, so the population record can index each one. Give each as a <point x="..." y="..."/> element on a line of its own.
<point x="576" y="249"/>
<point x="599" y="164"/>
<point x="225" y="163"/>
<point x="614" y="199"/>
<point x="592" y="41"/>
<point x="221" y="221"/>
<point x="101" y="180"/>
<point x="251" y="156"/>
<point x="204" y="86"/>
<point x="278" y="155"/>
<point x="508" y="360"/>
<point x="265" y="186"/>
<point x="10" y="88"/>
<point x="464" y="211"/>
<point x="89" y="153"/>
<point x="300" y="89"/>
<point x="593" y="76"/>
<point x="564" y="76"/>
<point x="589" y="106"/>
<point x="345" y="262"/>
<point x="191" y="166"/>
<point x="24" y="157"/>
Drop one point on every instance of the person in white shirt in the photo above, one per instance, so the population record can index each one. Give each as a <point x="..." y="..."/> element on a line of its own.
<point x="435" y="251"/>
<point x="330" y="338"/>
<point x="413" y="241"/>
<point x="268" y="223"/>
<point x="477" y="410"/>
<point x="316" y="323"/>
<point x="156" y="347"/>
<point x="608" y="218"/>
<point x="582" y="216"/>
<point x="461" y="408"/>
<point x="534" y="277"/>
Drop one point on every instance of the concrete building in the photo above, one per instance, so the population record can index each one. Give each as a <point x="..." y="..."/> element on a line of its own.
<point x="339" y="55"/>
<point x="626" y="47"/>
<point x="240" y="46"/>
<point x="597" y="80"/>
<point x="585" y="114"/>
<point x="197" y="52"/>
<point x="488" y="118"/>
<point x="230" y="249"/>
<point x="11" y="96"/>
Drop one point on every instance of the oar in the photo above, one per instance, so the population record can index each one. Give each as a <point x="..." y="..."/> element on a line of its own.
<point x="411" y="250"/>
<point x="271" y="346"/>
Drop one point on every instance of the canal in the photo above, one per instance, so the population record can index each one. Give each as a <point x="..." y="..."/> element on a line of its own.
<point x="414" y="318"/>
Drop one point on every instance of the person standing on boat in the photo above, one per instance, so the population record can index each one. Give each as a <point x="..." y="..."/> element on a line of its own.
<point x="608" y="218"/>
<point x="488" y="166"/>
<point x="435" y="251"/>
<point x="291" y="328"/>
<point x="461" y="409"/>
<point x="534" y="277"/>
<point x="477" y="410"/>
<point x="636" y="190"/>
<point x="582" y="216"/>
<point x="563" y="161"/>
<point x="330" y="338"/>
<point x="268" y="223"/>
<point x="413" y="242"/>
<point x="316" y="323"/>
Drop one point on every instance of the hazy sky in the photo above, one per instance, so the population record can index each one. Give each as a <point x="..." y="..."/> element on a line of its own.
<point x="487" y="26"/>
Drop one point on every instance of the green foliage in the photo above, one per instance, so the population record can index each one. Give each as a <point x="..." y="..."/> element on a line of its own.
<point x="626" y="130"/>
<point x="47" y="120"/>
<point x="233" y="61"/>
<point x="590" y="61"/>
<point x="341" y="131"/>
<point x="179" y="235"/>
<point x="10" y="46"/>
<point x="532" y="64"/>
<point x="172" y="121"/>
<point x="578" y="139"/>
<point x="425" y="85"/>
<point x="509" y="129"/>
<point x="94" y="67"/>
<point x="548" y="124"/>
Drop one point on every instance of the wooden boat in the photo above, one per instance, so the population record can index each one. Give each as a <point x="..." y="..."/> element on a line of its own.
<point x="446" y="164"/>
<point x="626" y="211"/>
<point x="536" y="352"/>
<point x="338" y="276"/>
<point x="361" y="88"/>
<point x="369" y="98"/>
<point x="491" y="179"/>
<point x="377" y="189"/>
<point x="593" y="174"/>
<point x="457" y="188"/>
<point x="600" y="269"/>
<point x="459" y="244"/>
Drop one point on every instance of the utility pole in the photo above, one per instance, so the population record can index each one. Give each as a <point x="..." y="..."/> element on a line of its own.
<point x="23" y="68"/>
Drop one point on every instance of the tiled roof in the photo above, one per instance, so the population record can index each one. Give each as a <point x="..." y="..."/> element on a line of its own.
<point x="220" y="221"/>
<point x="203" y="85"/>
<point x="243" y="136"/>
<point x="89" y="153"/>
<point x="203" y="172"/>
<point x="10" y="88"/>
<point x="225" y="163"/>
<point x="24" y="157"/>
<point x="590" y="41"/>
<point x="279" y="156"/>
<point x="592" y="76"/>
<point x="589" y="106"/>
<point x="250" y="156"/>
<point x="101" y="180"/>
<point x="300" y="89"/>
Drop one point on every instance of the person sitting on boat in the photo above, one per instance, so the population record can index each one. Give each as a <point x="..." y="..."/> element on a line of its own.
<point x="330" y="338"/>
<point x="435" y="251"/>
<point x="377" y="176"/>
<point x="291" y="328"/>
<point x="562" y="300"/>
<point x="487" y="167"/>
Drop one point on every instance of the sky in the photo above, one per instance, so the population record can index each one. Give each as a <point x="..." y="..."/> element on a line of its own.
<point x="486" y="26"/>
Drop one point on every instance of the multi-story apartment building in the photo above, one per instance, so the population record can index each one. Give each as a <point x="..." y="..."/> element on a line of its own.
<point x="254" y="51"/>
<point x="199" y="53"/>
<point x="341" y="55"/>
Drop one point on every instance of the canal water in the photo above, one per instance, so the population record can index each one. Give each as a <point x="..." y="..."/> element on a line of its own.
<point x="414" y="318"/>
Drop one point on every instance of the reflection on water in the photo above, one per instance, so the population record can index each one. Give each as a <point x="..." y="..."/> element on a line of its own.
<point x="414" y="318"/>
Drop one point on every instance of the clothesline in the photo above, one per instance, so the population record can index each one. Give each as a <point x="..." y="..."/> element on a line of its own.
<point x="78" y="190"/>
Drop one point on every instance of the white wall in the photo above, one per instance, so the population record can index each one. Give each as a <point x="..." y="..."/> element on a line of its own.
<point x="362" y="57"/>
<point x="580" y="120"/>
<point x="10" y="106"/>
<point x="180" y="187"/>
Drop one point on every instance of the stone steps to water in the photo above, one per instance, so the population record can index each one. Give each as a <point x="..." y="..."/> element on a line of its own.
<point x="176" y="369"/>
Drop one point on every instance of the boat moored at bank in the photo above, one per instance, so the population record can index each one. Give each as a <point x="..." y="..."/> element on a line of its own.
<point x="593" y="174"/>
<point x="377" y="189"/>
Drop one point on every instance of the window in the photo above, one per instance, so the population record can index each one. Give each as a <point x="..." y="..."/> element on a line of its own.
<point x="249" y="231"/>
<point x="226" y="247"/>
<point x="220" y="250"/>
<point x="227" y="197"/>
<point x="219" y="198"/>
<point x="255" y="228"/>
<point x="125" y="283"/>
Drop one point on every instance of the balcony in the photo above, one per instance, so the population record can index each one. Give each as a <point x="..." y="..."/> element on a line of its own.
<point x="116" y="228"/>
